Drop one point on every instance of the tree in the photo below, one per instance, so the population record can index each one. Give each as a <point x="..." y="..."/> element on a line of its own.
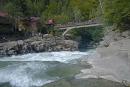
<point x="77" y="14"/>
<point x="117" y="12"/>
<point x="70" y="10"/>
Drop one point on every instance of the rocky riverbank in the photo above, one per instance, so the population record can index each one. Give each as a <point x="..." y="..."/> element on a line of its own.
<point x="111" y="59"/>
<point x="45" y="43"/>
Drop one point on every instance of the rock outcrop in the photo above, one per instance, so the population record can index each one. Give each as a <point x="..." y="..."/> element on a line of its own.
<point x="111" y="60"/>
<point x="45" y="43"/>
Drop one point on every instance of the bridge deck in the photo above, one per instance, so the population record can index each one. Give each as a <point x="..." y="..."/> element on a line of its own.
<point x="79" y="26"/>
<point x="71" y="25"/>
<point x="88" y="23"/>
<point x="70" y="28"/>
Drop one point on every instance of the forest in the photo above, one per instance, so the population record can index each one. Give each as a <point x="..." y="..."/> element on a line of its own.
<point x="110" y="13"/>
<point x="115" y="12"/>
<point x="60" y="10"/>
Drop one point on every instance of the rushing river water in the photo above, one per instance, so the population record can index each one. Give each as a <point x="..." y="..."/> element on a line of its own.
<point x="49" y="69"/>
<point x="38" y="69"/>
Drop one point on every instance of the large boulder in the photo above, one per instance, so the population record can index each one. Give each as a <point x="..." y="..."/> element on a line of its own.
<point x="111" y="62"/>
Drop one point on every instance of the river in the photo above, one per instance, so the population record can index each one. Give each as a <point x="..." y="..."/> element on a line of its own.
<point x="49" y="69"/>
<point x="38" y="69"/>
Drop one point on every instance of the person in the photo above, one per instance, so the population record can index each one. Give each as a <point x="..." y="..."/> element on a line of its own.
<point x="51" y="24"/>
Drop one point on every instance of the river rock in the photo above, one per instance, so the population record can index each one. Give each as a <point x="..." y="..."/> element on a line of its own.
<point x="45" y="43"/>
<point x="111" y="62"/>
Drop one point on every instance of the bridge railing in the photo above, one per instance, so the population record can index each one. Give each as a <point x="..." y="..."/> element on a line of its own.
<point x="71" y="24"/>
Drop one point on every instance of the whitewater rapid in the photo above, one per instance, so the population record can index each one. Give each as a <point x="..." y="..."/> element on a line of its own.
<point x="63" y="56"/>
<point x="30" y="69"/>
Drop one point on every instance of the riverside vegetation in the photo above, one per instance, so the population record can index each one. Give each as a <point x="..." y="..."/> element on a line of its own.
<point x="21" y="11"/>
<point x="114" y="12"/>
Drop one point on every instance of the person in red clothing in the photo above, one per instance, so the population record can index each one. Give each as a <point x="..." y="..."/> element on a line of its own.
<point x="51" y="22"/>
<point x="50" y="25"/>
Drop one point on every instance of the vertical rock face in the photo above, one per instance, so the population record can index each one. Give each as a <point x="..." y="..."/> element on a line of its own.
<point x="37" y="44"/>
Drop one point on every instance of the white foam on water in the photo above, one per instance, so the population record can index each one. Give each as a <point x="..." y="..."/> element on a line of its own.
<point x="21" y="75"/>
<point x="63" y="56"/>
<point x="26" y="72"/>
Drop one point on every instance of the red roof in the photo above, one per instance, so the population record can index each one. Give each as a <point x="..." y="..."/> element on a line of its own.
<point x="3" y="14"/>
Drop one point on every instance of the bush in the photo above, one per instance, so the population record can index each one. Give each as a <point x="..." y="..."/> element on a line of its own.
<point x="88" y="35"/>
<point x="117" y="12"/>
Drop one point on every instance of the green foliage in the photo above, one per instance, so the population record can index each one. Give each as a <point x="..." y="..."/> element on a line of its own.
<point x="96" y="34"/>
<point x="114" y="12"/>
<point x="61" y="19"/>
<point x="35" y="7"/>
<point x="88" y="35"/>
<point x="42" y="29"/>
<point x="12" y="10"/>
<point x="60" y="10"/>
<point x="117" y="12"/>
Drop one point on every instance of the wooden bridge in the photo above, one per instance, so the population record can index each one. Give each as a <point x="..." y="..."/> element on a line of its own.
<point x="72" y="25"/>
